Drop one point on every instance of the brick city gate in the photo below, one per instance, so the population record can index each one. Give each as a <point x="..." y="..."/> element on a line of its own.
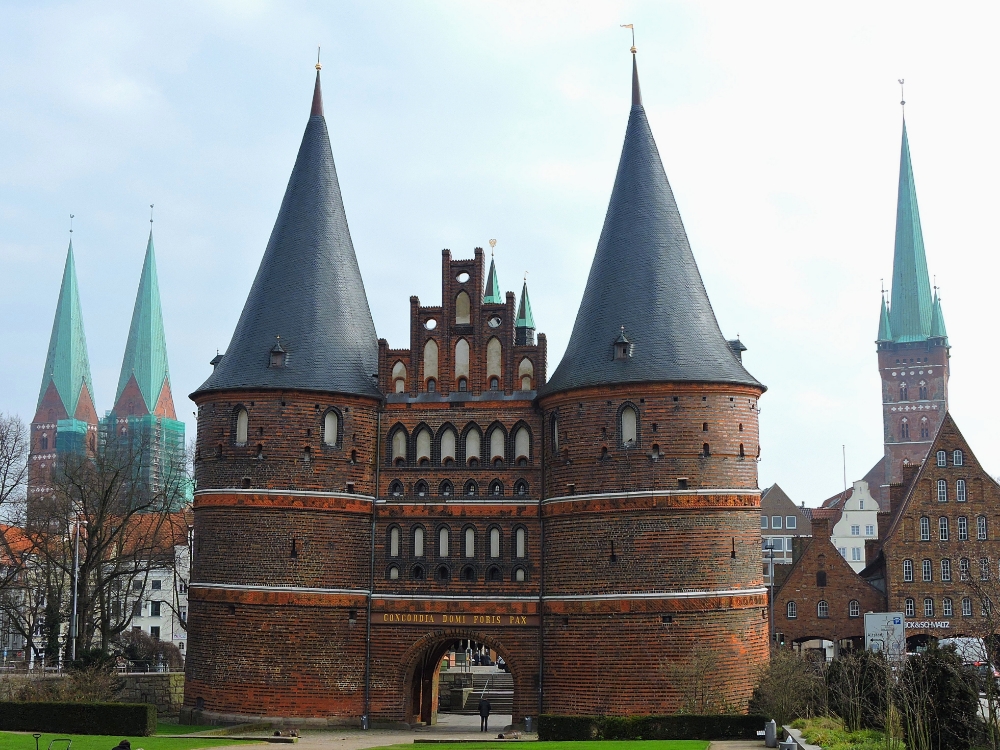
<point x="408" y="648"/>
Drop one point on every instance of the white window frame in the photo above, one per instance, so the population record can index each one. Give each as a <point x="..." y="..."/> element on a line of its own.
<point x="909" y="607"/>
<point x="926" y="570"/>
<point x="925" y="529"/>
<point x="791" y="522"/>
<point x="942" y="491"/>
<point x="963" y="529"/>
<point x="928" y="606"/>
<point x="854" y="608"/>
<point x="791" y="610"/>
<point x="946" y="569"/>
<point x="946" y="607"/>
<point x="907" y="571"/>
<point x="961" y="493"/>
<point x="942" y="458"/>
<point x="958" y="458"/>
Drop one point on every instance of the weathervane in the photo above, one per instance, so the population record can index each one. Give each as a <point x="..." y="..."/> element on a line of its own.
<point x="71" y="223"/>
<point x="902" y="99"/>
<point x="318" y="66"/>
<point x="493" y="245"/>
<point x="632" y="28"/>
<point x="150" y="213"/>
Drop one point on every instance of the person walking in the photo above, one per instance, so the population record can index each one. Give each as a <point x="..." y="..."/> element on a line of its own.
<point x="484" y="714"/>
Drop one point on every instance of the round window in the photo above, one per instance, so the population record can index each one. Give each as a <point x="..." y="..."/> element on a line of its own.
<point x="494" y="322"/>
<point x="462" y="277"/>
<point x="430" y="324"/>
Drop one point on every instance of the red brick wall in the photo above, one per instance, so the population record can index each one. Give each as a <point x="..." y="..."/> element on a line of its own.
<point x="902" y="363"/>
<point x="842" y="586"/>
<point x="904" y="543"/>
<point x="280" y="427"/>
<point x="589" y="424"/>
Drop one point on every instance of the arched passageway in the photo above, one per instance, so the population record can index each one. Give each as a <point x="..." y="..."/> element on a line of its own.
<point x="422" y="670"/>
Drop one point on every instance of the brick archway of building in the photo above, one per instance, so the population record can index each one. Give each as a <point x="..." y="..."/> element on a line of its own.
<point x="419" y="668"/>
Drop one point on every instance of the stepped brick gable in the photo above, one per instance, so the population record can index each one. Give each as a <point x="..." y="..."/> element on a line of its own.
<point x="363" y="511"/>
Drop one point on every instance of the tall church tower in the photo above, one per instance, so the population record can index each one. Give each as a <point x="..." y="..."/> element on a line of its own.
<point x="651" y="509"/>
<point x="913" y="350"/>
<point x="144" y="404"/>
<point x="65" y="418"/>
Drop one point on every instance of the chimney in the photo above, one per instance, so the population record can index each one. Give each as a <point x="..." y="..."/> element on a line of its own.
<point x="820" y="528"/>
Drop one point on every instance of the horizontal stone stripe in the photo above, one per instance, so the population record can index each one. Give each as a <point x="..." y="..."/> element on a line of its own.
<point x="280" y="500"/>
<point x="277" y="595"/>
<point x="658" y="595"/>
<point x="651" y="500"/>
<point x="423" y="603"/>
<point x="478" y="505"/>
<point x="655" y="603"/>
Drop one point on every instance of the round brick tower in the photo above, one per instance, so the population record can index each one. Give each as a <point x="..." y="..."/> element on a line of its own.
<point x="653" y="599"/>
<point x="286" y="450"/>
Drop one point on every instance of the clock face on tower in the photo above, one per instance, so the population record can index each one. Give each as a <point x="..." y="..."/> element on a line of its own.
<point x="494" y="321"/>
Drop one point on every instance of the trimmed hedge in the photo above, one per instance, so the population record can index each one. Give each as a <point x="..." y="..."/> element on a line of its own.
<point x="676" y="727"/>
<point x="122" y="719"/>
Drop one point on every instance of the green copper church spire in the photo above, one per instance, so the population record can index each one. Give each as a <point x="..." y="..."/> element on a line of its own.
<point x="910" y="311"/>
<point x="67" y="365"/>
<point x="524" y="317"/>
<point x="938" y="329"/>
<point x="146" y="350"/>
<point x="492" y="296"/>
<point x="884" y="328"/>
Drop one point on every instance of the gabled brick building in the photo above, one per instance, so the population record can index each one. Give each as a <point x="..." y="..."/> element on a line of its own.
<point x="941" y="543"/>
<point x="822" y="598"/>
<point x="361" y="509"/>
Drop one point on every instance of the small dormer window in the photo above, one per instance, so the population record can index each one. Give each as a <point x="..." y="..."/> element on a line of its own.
<point x="278" y="356"/>
<point x="622" y="346"/>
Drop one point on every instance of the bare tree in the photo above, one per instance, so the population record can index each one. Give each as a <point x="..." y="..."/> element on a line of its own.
<point x="14" y="446"/>
<point x="123" y="519"/>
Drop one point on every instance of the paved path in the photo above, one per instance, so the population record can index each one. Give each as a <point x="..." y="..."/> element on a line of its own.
<point x="449" y="726"/>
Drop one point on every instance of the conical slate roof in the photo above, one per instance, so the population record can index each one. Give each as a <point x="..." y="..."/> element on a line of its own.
<point x="146" y="348"/>
<point x="911" y="304"/>
<point x="308" y="290"/>
<point x="67" y="365"/>
<point x="644" y="278"/>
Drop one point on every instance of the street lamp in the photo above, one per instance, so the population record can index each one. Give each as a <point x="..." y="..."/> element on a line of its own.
<point x="73" y="628"/>
<point x="769" y="548"/>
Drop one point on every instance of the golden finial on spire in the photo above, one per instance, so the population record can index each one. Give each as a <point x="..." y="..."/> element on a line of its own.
<point x="318" y="66"/>
<point x="493" y="246"/>
<point x="632" y="28"/>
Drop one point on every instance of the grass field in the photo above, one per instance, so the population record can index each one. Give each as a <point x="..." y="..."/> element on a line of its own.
<point x="17" y="741"/>
<point x="590" y="745"/>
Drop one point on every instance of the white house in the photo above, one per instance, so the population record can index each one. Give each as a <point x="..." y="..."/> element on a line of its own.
<point x="858" y="522"/>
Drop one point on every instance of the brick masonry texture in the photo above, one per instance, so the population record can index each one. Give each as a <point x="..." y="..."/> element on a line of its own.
<point x="820" y="563"/>
<point x="903" y="541"/>
<point x="283" y="538"/>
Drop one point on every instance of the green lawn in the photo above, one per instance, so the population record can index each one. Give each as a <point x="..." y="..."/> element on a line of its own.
<point x="18" y="741"/>
<point x="590" y="745"/>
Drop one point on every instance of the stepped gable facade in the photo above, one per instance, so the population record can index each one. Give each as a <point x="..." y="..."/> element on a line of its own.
<point x="361" y="510"/>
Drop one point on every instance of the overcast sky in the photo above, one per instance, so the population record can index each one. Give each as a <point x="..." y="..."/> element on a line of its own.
<point x="453" y="123"/>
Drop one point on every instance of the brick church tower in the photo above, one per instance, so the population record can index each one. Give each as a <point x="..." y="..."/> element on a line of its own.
<point x="144" y="404"/>
<point x="651" y="509"/>
<point x="65" y="418"/>
<point x="913" y="350"/>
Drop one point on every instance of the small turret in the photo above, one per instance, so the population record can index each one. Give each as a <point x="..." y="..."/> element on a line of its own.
<point x="938" y="329"/>
<point x="884" y="326"/>
<point x="524" y="328"/>
<point x="492" y="295"/>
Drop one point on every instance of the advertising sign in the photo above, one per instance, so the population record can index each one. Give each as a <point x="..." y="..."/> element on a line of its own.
<point x="886" y="631"/>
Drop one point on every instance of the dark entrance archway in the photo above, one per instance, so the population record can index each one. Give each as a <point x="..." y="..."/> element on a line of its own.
<point x="421" y="674"/>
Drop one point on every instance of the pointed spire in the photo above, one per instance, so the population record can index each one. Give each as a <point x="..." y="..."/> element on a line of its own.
<point x="308" y="291"/>
<point x="884" y="328"/>
<point x="910" y="311"/>
<point x="492" y="296"/>
<point x="67" y="365"/>
<point x="524" y="317"/>
<point x="938" y="329"/>
<point x="146" y="349"/>
<point x="644" y="277"/>
<point x="317" y="105"/>
<point x="636" y="92"/>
